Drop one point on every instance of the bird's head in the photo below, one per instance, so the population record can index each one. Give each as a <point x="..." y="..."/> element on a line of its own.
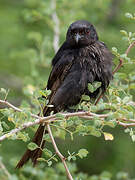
<point x="81" y="33"/>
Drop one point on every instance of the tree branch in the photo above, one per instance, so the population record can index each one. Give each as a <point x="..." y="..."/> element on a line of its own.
<point x="126" y="124"/>
<point x="52" y="118"/>
<point x="121" y="60"/>
<point x="59" y="153"/>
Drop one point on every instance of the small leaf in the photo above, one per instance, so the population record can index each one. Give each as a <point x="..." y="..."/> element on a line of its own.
<point x="24" y="136"/>
<point x="111" y="123"/>
<point x="10" y="119"/>
<point x="85" y="98"/>
<point x="63" y="124"/>
<point x="55" y="159"/>
<point x="114" y="49"/>
<point x="2" y="90"/>
<point x="90" y="88"/>
<point x="41" y="159"/>
<point x="82" y="153"/>
<point x="70" y="122"/>
<point x="108" y="136"/>
<point x="133" y="137"/>
<point x="129" y="15"/>
<point x="69" y="158"/>
<point x="126" y="99"/>
<point x="60" y="116"/>
<point x="47" y="152"/>
<point x="131" y="132"/>
<point x="1" y="129"/>
<point x="4" y="124"/>
<point x="46" y="137"/>
<point x="49" y="163"/>
<point x="124" y="32"/>
<point x="122" y="175"/>
<point x="32" y="146"/>
<point x="127" y="130"/>
<point x="95" y="133"/>
<point x="74" y="158"/>
<point x="96" y="85"/>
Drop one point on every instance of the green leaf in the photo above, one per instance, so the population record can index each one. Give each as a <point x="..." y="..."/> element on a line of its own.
<point x="106" y="175"/>
<point x="2" y="90"/>
<point x="126" y="99"/>
<point x="78" y="121"/>
<point x="85" y="98"/>
<point x="24" y="136"/>
<point x="32" y="146"/>
<point x="27" y="112"/>
<point x="133" y="137"/>
<point x="122" y="175"/>
<point x="124" y="32"/>
<point x="41" y="159"/>
<point x="96" y="85"/>
<point x="111" y="123"/>
<point x="129" y="15"/>
<point x="70" y="122"/>
<point x="47" y="152"/>
<point x="4" y="124"/>
<point x="95" y="133"/>
<point x="74" y="158"/>
<point x="82" y="153"/>
<point x="127" y="130"/>
<point x="108" y="136"/>
<point x="97" y="123"/>
<point x="114" y="49"/>
<point x="55" y="159"/>
<point x="13" y="177"/>
<point x="1" y="129"/>
<point x="90" y="88"/>
<point x="80" y="128"/>
<point x="49" y="163"/>
<point x="46" y="137"/>
<point x="60" y="116"/>
<point x="63" y="124"/>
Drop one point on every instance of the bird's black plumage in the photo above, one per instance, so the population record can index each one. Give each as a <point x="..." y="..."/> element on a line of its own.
<point x="82" y="59"/>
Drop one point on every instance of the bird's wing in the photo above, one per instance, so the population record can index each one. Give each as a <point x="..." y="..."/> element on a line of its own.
<point x="62" y="62"/>
<point x="59" y="72"/>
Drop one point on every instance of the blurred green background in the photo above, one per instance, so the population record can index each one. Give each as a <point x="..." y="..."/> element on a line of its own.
<point x="26" y="50"/>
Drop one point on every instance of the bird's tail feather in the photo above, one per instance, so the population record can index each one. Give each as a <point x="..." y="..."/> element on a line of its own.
<point x="35" y="154"/>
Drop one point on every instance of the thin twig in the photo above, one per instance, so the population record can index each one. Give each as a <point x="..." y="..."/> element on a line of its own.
<point x="15" y="108"/>
<point x="117" y="67"/>
<point x="130" y="47"/>
<point x="2" y="166"/>
<point x="59" y="153"/>
<point x="121" y="59"/>
<point x="130" y="120"/>
<point x="126" y="124"/>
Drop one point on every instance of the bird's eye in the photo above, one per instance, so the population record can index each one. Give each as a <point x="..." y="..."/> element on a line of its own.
<point x="87" y="31"/>
<point x="81" y="32"/>
<point x="74" y="32"/>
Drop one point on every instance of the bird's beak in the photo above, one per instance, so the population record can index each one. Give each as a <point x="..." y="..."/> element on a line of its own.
<point x="77" y="37"/>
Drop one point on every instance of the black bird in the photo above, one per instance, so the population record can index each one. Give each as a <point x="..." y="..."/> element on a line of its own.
<point x="81" y="59"/>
